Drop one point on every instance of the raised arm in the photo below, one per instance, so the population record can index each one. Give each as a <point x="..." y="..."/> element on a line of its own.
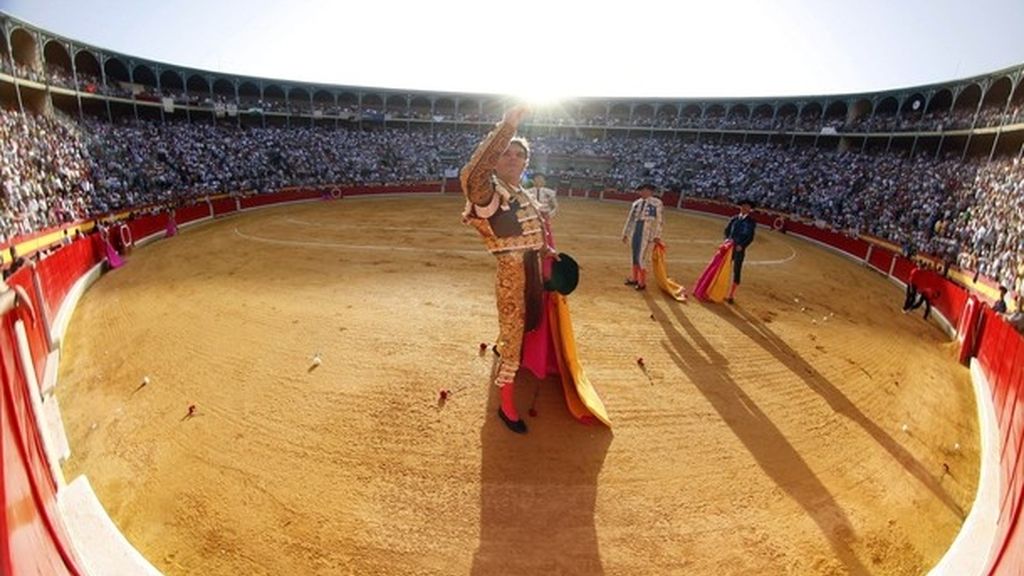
<point x="476" y="174"/>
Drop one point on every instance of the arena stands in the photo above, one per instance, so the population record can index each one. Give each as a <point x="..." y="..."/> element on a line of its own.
<point x="44" y="174"/>
<point x="964" y="211"/>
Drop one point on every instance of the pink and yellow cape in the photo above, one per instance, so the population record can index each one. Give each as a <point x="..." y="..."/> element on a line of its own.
<point x="551" y="349"/>
<point x="713" y="284"/>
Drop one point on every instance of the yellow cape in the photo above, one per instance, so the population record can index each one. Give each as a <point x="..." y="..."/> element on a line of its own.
<point x="719" y="288"/>
<point x="667" y="285"/>
<point x="580" y="396"/>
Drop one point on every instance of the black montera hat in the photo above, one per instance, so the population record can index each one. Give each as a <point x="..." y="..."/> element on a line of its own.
<point x="565" y="275"/>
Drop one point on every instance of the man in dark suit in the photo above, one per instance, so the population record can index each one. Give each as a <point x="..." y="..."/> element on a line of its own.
<point x="741" y="231"/>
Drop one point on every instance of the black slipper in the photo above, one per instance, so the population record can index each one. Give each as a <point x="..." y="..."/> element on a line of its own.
<point x="517" y="426"/>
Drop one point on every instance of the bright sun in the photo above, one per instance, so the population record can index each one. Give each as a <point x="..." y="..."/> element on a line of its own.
<point x="539" y="96"/>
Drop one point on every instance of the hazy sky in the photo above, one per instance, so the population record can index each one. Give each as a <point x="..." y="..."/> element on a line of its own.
<point x="546" y="48"/>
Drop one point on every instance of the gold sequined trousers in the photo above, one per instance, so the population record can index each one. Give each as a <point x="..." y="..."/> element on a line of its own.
<point x="510" y="288"/>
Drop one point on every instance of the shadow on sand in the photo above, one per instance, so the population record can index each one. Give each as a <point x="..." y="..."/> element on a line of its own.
<point x="707" y="370"/>
<point x="762" y="335"/>
<point x="537" y="491"/>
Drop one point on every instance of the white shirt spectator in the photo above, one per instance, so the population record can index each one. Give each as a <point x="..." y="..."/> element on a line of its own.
<point x="546" y="197"/>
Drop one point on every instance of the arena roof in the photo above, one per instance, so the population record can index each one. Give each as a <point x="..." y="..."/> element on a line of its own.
<point x="643" y="48"/>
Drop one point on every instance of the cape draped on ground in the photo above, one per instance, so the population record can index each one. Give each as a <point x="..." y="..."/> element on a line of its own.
<point x="669" y="286"/>
<point x="550" y="349"/>
<point x="580" y="396"/>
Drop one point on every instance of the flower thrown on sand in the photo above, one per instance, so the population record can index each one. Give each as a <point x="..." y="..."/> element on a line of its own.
<point x="442" y="395"/>
<point x="640" y="362"/>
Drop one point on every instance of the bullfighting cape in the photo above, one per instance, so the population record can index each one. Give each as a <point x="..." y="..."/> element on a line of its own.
<point x="580" y="396"/>
<point x="114" y="259"/>
<point x="667" y="285"/>
<point x="551" y="349"/>
<point x="713" y="284"/>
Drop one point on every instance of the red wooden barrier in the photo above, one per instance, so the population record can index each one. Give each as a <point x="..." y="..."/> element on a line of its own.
<point x="422" y="188"/>
<point x="223" y="206"/>
<point x="290" y="195"/>
<point x="60" y="271"/>
<point x="1001" y="355"/>
<point x="624" y="196"/>
<point x="851" y="245"/>
<point x="710" y="207"/>
<point x="32" y="539"/>
<point x="148" y="225"/>
<point x="37" y="342"/>
<point x="902" y="268"/>
<point x="881" y="259"/>
<point x="193" y="212"/>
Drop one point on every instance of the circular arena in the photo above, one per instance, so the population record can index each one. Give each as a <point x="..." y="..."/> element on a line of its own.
<point x="286" y="366"/>
<point x="765" y="437"/>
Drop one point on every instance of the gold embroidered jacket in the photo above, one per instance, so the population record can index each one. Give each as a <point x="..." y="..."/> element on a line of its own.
<point x="507" y="218"/>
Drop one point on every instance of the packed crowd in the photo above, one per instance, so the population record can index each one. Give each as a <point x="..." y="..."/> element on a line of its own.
<point x="146" y="163"/>
<point x="966" y="212"/>
<point x="44" y="174"/>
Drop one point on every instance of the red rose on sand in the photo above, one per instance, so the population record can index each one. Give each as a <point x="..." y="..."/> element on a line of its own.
<point x="640" y="362"/>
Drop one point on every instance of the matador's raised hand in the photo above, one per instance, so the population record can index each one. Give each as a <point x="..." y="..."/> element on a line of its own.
<point x="515" y="115"/>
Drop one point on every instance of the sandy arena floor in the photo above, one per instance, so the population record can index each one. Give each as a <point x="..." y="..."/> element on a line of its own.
<point x="765" y="438"/>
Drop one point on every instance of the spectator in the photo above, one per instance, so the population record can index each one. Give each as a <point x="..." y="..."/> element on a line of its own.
<point x="1016" y="319"/>
<point x="1000" y="304"/>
